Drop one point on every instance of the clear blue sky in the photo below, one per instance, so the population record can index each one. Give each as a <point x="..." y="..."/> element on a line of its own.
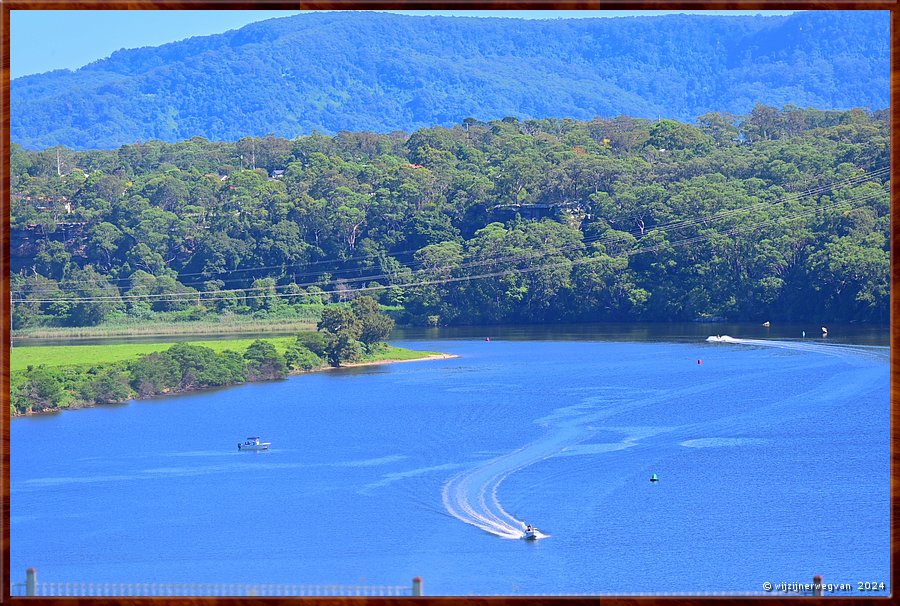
<point x="44" y="40"/>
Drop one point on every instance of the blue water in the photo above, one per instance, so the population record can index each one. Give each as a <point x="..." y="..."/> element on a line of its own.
<point x="773" y="459"/>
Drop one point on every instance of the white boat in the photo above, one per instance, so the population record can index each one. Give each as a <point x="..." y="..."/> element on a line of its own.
<point x="530" y="533"/>
<point x="253" y="444"/>
<point x="721" y="339"/>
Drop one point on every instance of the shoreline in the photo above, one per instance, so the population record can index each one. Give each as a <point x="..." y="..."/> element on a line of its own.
<point x="293" y="373"/>
<point x="440" y="356"/>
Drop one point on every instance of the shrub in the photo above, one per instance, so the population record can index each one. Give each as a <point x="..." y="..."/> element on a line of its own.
<point x="200" y="366"/>
<point x="41" y="389"/>
<point x="264" y="361"/>
<point x="313" y="341"/>
<point x="233" y="363"/>
<point x="155" y="373"/>
<point x="109" y="386"/>
<point x="299" y="357"/>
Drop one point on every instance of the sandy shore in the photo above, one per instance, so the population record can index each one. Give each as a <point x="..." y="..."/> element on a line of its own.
<point x="388" y="361"/>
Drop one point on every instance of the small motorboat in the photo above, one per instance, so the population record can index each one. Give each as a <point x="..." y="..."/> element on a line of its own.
<point x="530" y="533"/>
<point x="720" y="339"/>
<point x="253" y="444"/>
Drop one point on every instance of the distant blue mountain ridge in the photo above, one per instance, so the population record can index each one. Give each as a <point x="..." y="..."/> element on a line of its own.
<point x="382" y="72"/>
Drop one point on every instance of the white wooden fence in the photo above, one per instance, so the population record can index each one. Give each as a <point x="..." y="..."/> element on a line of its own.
<point x="31" y="587"/>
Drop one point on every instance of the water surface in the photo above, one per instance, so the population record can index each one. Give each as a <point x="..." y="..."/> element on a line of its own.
<point x="772" y="455"/>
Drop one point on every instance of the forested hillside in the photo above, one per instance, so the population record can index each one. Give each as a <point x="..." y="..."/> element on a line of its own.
<point x="383" y="72"/>
<point x="778" y="215"/>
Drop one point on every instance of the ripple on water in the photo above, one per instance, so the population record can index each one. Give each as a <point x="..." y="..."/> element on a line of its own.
<point x="719" y="442"/>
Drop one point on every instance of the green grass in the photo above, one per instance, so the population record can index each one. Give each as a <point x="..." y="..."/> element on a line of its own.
<point x="398" y="353"/>
<point x="69" y="355"/>
<point x="77" y="355"/>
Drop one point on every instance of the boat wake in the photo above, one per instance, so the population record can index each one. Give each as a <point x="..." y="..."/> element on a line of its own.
<point x="722" y="339"/>
<point x="850" y="353"/>
<point x="471" y="496"/>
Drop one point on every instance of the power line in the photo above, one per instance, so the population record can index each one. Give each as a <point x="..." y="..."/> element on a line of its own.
<point x="218" y="295"/>
<point x="526" y="255"/>
<point x="853" y="180"/>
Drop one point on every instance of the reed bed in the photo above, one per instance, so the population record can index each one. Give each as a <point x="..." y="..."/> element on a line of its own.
<point x="152" y="329"/>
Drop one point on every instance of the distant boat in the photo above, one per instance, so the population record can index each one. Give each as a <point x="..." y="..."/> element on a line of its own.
<point x="654" y="478"/>
<point x="824" y="332"/>
<point x="253" y="444"/>
<point x="720" y="339"/>
<point x="530" y="533"/>
<point x="766" y="324"/>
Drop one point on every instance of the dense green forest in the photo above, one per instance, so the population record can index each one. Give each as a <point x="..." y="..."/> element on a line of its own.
<point x="782" y="214"/>
<point x="367" y="71"/>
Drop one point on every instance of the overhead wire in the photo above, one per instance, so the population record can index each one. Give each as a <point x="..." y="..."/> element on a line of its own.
<point x="220" y="294"/>
<point x="520" y="256"/>
<point x="853" y="180"/>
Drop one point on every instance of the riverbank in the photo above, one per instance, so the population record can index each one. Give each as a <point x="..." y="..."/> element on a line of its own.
<point x="50" y="379"/>
<point x="435" y="356"/>
<point x="428" y="356"/>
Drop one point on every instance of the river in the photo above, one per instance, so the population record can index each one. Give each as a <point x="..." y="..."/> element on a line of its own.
<point x="772" y="454"/>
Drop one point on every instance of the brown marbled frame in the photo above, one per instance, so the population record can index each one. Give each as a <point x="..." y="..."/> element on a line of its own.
<point x="7" y="5"/>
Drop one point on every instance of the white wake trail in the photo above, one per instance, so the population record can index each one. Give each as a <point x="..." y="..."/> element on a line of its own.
<point x="849" y="353"/>
<point x="471" y="496"/>
<point x="479" y="486"/>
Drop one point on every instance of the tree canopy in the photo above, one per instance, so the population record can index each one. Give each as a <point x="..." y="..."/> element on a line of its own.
<point x="780" y="213"/>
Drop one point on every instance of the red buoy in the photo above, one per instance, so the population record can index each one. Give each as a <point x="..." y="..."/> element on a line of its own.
<point x="487" y="338"/>
<point x="699" y="361"/>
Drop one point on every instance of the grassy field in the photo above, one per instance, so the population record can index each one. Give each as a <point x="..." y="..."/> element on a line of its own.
<point x="398" y="353"/>
<point x="69" y="355"/>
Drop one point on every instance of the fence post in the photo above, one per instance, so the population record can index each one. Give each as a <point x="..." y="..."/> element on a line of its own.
<point x="817" y="585"/>
<point x="417" y="586"/>
<point x="30" y="581"/>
